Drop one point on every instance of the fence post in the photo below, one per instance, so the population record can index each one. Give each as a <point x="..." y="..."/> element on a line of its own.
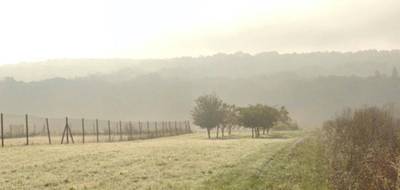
<point x="166" y="128"/>
<point x="109" y="130"/>
<point x="130" y="131"/>
<point x="169" y="128"/>
<point x="140" y="129"/>
<point x="63" y="135"/>
<point x="97" y="130"/>
<point x="155" y="125"/>
<point x="83" y="130"/>
<point x="27" y="129"/>
<point x="66" y="127"/>
<point x="70" y="132"/>
<point x="176" y="129"/>
<point x="2" y="134"/>
<point x="162" y="128"/>
<point x="148" y="129"/>
<point x="120" y="130"/>
<point x="48" y="130"/>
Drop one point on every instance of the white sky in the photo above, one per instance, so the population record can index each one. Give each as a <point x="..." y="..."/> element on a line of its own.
<point x="48" y="29"/>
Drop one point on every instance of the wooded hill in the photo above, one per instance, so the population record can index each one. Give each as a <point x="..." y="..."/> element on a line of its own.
<point x="312" y="86"/>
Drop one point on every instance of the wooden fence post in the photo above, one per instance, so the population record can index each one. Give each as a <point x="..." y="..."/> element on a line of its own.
<point x="27" y="129"/>
<point x="140" y="129"/>
<point x="176" y="129"/>
<point x="155" y="125"/>
<point x="66" y="128"/>
<point x="83" y="130"/>
<point x="169" y="128"/>
<point x="162" y="129"/>
<point x="63" y="135"/>
<point x="70" y="133"/>
<point x="97" y="130"/>
<point x="120" y="130"/>
<point x="109" y="130"/>
<point x="2" y="132"/>
<point x="130" y="130"/>
<point x="48" y="130"/>
<point x="148" y="129"/>
<point x="166" y="128"/>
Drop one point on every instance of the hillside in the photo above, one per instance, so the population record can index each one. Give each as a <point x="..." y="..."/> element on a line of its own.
<point x="165" y="89"/>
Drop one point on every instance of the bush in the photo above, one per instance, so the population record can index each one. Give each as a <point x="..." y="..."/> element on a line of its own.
<point x="362" y="148"/>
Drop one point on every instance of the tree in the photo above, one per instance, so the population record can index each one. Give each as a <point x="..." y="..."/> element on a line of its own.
<point x="224" y="121"/>
<point x="248" y="118"/>
<point x="232" y="117"/>
<point x="207" y="112"/>
<point x="284" y="115"/>
<point x="258" y="116"/>
<point x="270" y="116"/>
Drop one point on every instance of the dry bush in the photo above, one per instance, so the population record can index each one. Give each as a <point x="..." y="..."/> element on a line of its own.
<point x="363" y="147"/>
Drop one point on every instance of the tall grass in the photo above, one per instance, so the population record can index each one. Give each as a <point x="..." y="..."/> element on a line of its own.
<point x="363" y="149"/>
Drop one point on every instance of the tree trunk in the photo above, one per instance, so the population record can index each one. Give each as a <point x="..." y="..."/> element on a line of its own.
<point x="263" y="131"/>
<point x="217" y="131"/>
<point x="230" y="130"/>
<point x="222" y="131"/>
<point x="252" y="132"/>
<point x="267" y="130"/>
<point x="208" y="133"/>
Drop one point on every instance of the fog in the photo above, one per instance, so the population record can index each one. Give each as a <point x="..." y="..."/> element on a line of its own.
<point x="150" y="60"/>
<point x="45" y="29"/>
<point x="313" y="86"/>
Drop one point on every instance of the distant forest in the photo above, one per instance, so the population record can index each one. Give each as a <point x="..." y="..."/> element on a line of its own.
<point x="311" y="85"/>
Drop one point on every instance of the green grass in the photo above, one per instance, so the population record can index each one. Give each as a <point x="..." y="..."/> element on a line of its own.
<point x="182" y="162"/>
<point x="298" y="164"/>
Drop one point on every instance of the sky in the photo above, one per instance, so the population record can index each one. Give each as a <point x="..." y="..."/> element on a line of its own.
<point x="56" y="29"/>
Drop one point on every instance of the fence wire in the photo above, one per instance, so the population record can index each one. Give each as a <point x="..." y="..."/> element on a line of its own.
<point x="29" y="130"/>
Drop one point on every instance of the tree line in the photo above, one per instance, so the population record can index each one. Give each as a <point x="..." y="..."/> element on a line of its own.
<point x="211" y="112"/>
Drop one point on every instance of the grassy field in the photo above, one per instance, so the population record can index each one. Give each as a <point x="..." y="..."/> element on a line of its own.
<point x="182" y="162"/>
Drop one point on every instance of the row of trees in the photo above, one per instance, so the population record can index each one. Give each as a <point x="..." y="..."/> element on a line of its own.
<point x="211" y="112"/>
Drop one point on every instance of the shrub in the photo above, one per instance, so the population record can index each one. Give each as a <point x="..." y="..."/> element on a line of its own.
<point x="362" y="148"/>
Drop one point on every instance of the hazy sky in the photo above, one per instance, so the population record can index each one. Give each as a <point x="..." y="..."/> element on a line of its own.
<point x="48" y="29"/>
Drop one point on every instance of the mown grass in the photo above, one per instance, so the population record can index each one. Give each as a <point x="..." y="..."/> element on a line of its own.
<point x="298" y="164"/>
<point x="183" y="162"/>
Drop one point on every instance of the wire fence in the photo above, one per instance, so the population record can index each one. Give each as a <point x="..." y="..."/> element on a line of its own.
<point x="29" y="130"/>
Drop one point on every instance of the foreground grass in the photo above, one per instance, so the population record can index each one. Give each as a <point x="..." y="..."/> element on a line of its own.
<point x="183" y="162"/>
<point x="299" y="164"/>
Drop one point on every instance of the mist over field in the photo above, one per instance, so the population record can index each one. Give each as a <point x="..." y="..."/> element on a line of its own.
<point x="200" y="95"/>
<point x="311" y="85"/>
